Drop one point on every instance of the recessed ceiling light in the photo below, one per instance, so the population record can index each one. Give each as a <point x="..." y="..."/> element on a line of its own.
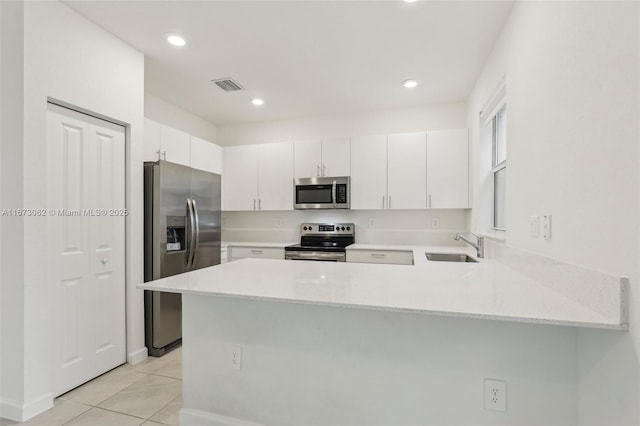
<point x="176" y="40"/>
<point x="257" y="101"/>
<point x="410" y="84"/>
<point x="409" y="1"/>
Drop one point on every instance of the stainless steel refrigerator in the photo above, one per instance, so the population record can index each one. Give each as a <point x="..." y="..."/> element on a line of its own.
<point x="181" y="234"/>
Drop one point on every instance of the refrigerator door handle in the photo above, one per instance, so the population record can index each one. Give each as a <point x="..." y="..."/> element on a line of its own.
<point x="196" y="232"/>
<point x="190" y="232"/>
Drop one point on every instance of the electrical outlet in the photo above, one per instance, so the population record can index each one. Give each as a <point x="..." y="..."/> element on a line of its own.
<point x="495" y="395"/>
<point x="546" y="226"/>
<point x="435" y="223"/>
<point x="372" y="222"/>
<point x="235" y="358"/>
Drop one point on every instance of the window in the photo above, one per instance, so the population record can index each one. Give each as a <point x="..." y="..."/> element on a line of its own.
<point x="492" y="163"/>
<point x="499" y="168"/>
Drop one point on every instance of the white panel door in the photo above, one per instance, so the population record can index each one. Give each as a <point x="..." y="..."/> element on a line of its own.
<point x="240" y="178"/>
<point x="175" y="145"/>
<point x="307" y="159"/>
<point x="152" y="149"/>
<point x="336" y="157"/>
<point x="206" y="156"/>
<point x="407" y="171"/>
<point x="85" y="167"/>
<point x="369" y="172"/>
<point x="448" y="169"/>
<point x="275" y="176"/>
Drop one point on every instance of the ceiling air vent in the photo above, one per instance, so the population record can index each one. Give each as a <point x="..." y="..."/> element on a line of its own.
<point x="227" y="84"/>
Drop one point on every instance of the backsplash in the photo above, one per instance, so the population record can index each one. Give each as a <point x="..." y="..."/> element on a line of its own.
<point x="389" y="226"/>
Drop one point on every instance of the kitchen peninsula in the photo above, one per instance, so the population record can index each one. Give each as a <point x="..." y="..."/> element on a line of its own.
<point x="278" y="342"/>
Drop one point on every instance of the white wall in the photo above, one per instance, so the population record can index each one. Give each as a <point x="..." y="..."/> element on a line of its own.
<point x="572" y="98"/>
<point x="67" y="58"/>
<point x="159" y="110"/>
<point x="429" y="370"/>
<point x="11" y="244"/>
<point x="431" y="117"/>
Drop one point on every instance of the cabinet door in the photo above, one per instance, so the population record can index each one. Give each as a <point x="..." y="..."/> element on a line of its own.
<point x="275" y="176"/>
<point x="369" y="172"/>
<point x="407" y="171"/>
<point x="448" y="169"/>
<point x="240" y="177"/>
<point x="206" y="155"/>
<point x="151" y="140"/>
<point x="336" y="157"/>
<point x="307" y="159"/>
<point x="175" y="145"/>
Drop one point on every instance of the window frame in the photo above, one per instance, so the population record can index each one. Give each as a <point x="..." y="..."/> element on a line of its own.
<point x="496" y="165"/>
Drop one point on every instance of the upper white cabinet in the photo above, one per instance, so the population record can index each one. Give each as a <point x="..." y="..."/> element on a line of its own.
<point x="258" y="177"/>
<point x="448" y="169"/>
<point x="166" y="143"/>
<point x="369" y="172"/>
<point x="206" y="156"/>
<point x="407" y="171"/>
<point x="329" y="157"/>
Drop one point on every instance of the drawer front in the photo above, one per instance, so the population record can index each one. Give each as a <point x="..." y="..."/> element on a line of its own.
<point x="224" y="254"/>
<point x="380" y="256"/>
<point x="256" y="252"/>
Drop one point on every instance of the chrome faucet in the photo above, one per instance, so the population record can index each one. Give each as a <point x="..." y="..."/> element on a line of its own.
<point x="479" y="246"/>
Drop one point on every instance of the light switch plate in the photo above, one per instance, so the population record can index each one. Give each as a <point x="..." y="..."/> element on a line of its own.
<point x="546" y="226"/>
<point x="534" y="226"/>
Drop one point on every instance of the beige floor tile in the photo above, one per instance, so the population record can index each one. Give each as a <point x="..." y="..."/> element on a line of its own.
<point x="105" y="386"/>
<point x="152" y="423"/>
<point x="100" y="417"/>
<point x="172" y="369"/>
<point x="7" y="422"/>
<point x="152" y="364"/>
<point x="62" y="412"/>
<point x="169" y="414"/>
<point x="144" y="397"/>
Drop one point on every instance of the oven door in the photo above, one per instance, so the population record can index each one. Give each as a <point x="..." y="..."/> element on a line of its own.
<point x="316" y="255"/>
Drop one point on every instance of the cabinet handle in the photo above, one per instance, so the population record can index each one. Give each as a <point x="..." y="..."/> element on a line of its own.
<point x="254" y="203"/>
<point x="378" y="255"/>
<point x="429" y="201"/>
<point x="259" y="203"/>
<point x="159" y="155"/>
<point x="256" y="251"/>
<point x="318" y="170"/>
<point x="383" y="201"/>
<point x="389" y="205"/>
<point x="164" y="154"/>
<point x="324" y="170"/>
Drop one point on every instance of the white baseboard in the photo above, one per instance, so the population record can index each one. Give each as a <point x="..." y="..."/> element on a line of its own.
<point x="191" y="417"/>
<point x="137" y="356"/>
<point x="19" y="413"/>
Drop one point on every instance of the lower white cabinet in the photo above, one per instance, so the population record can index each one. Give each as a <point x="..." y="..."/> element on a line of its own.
<point x="394" y="257"/>
<point x="242" y="252"/>
<point x="224" y="254"/>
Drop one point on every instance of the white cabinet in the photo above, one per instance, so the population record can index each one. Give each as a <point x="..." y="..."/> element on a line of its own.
<point x="258" y="177"/>
<point x="166" y="143"/>
<point x="206" y="156"/>
<point x="407" y="171"/>
<point x="240" y="177"/>
<point x="392" y="257"/>
<point x="369" y="172"/>
<point x="448" y="169"/>
<point x="255" y="252"/>
<point x="329" y="157"/>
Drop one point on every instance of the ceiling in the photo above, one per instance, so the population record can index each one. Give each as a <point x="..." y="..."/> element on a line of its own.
<point x="305" y="58"/>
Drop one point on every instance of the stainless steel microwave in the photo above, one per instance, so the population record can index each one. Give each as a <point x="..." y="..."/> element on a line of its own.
<point x="321" y="193"/>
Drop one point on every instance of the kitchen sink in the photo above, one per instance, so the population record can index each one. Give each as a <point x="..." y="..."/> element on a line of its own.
<point x="450" y="257"/>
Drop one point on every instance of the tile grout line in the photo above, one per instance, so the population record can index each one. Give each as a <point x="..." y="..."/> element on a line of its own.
<point x="149" y="418"/>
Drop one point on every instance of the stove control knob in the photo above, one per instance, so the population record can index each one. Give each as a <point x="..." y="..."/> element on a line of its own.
<point x="305" y="228"/>
<point x="348" y="228"/>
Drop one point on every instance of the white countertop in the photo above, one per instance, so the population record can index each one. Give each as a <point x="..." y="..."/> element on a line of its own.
<point x="486" y="290"/>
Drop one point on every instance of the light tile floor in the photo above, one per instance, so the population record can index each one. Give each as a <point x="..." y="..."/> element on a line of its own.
<point x="148" y="393"/>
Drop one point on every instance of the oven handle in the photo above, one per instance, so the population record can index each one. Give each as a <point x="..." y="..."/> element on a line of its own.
<point x="333" y="194"/>
<point x="315" y="255"/>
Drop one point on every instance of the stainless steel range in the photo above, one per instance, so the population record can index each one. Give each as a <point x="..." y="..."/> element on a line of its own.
<point x="322" y="241"/>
